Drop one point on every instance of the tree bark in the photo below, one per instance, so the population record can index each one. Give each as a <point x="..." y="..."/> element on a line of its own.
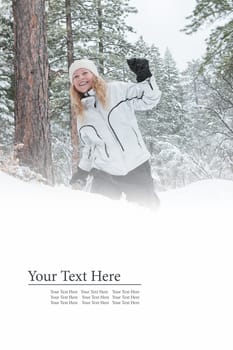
<point x="100" y="36"/>
<point x="70" y="59"/>
<point x="32" y="128"/>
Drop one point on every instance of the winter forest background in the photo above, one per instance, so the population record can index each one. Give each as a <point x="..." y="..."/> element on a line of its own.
<point x="189" y="133"/>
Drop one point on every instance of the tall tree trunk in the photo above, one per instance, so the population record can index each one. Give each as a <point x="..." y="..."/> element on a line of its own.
<point x="32" y="128"/>
<point x="100" y="36"/>
<point x="70" y="59"/>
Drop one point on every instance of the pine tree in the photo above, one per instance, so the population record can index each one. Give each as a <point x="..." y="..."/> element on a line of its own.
<point x="70" y="59"/>
<point x="208" y="125"/>
<point x="219" y="110"/>
<point x="32" y="128"/>
<point x="196" y="128"/>
<point x="6" y="75"/>
<point x="101" y="35"/>
<point x="168" y="159"/>
<point x="220" y="41"/>
<point x="172" y="99"/>
<point x="60" y="56"/>
<point x="215" y="73"/>
<point x="148" y="120"/>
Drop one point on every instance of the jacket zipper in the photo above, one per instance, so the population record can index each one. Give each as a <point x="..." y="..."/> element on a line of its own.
<point x="139" y="143"/>
<point x="109" y="114"/>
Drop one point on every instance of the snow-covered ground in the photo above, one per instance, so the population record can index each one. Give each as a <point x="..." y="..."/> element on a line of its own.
<point x="181" y="254"/>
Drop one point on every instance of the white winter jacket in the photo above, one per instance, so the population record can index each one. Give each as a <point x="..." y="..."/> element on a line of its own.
<point x="110" y="136"/>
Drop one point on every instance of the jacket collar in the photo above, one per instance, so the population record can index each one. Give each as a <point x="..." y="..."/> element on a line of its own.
<point x="89" y="99"/>
<point x="89" y="93"/>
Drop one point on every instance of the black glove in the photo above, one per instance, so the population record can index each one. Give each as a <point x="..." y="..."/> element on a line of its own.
<point x="140" y="66"/>
<point x="79" y="179"/>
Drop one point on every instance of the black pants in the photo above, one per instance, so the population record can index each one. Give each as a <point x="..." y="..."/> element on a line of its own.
<point x="137" y="185"/>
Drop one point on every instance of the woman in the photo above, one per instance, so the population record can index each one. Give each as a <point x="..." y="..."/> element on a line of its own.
<point x="114" y="152"/>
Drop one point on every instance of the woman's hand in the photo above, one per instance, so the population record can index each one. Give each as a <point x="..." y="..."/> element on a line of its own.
<point x="79" y="179"/>
<point x="140" y="66"/>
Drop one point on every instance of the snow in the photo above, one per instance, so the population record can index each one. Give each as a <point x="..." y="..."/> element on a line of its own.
<point x="182" y="255"/>
<point x="206" y="193"/>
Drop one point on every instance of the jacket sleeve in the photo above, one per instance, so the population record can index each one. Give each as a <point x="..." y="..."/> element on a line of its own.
<point x="144" y="95"/>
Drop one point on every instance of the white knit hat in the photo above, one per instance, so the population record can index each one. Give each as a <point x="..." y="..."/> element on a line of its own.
<point x="84" y="63"/>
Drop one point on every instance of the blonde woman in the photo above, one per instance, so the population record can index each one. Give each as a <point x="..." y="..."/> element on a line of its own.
<point x="113" y="152"/>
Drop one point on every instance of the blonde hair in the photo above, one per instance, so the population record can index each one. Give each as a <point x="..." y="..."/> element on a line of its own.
<point x="100" y="88"/>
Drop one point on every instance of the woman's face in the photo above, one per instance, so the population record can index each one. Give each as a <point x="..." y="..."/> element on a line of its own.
<point x="83" y="80"/>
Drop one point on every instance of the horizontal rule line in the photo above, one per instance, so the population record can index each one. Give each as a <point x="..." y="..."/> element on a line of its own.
<point x="84" y="284"/>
